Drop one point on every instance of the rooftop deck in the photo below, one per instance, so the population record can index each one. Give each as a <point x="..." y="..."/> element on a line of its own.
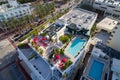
<point x="39" y="63"/>
<point x="90" y="64"/>
<point x="82" y="18"/>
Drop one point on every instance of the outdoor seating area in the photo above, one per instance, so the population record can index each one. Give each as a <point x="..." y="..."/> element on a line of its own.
<point x="41" y="41"/>
<point x="59" y="61"/>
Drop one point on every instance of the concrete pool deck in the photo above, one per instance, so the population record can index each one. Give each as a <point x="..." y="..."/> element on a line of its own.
<point x="89" y="65"/>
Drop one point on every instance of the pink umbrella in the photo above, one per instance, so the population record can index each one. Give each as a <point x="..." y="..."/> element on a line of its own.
<point x="44" y="38"/>
<point x="35" y="39"/>
<point x="64" y="60"/>
<point x="57" y="56"/>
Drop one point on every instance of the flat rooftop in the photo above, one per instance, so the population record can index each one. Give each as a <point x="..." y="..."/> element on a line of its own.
<point x="82" y="18"/>
<point x="102" y="36"/>
<point x="4" y="8"/>
<point x="107" y="24"/>
<point x="108" y="50"/>
<point x="111" y="2"/>
<point x="40" y="64"/>
<point x="52" y="29"/>
<point x="116" y="69"/>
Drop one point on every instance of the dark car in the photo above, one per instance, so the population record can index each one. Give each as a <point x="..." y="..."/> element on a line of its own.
<point x="40" y="22"/>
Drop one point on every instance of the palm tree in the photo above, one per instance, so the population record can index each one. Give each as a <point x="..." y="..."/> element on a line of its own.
<point x="5" y="25"/>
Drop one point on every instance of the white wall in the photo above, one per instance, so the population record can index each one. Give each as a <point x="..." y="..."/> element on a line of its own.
<point x="34" y="75"/>
<point x="115" y="41"/>
<point x="102" y="6"/>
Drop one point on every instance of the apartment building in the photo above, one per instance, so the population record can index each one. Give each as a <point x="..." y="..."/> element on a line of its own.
<point x="13" y="9"/>
<point x="3" y="0"/>
<point x="114" y="40"/>
<point x="98" y="66"/>
<point x="115" y="69"/>
<point x="50" y="66"/>
<point x="110" y="26"/>
<point x="108" y="7"/>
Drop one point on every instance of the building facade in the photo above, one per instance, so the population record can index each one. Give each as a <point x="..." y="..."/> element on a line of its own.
<point x="112" y="27"/>
<point x="108" y="7"/>
<point x="13" y="9"/>
<point x="115" y="38"/>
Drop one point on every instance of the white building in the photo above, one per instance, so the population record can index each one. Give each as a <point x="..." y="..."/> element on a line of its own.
<point x="108" y="7"/>
<point x="13" y="9"/>
<point x="40" y="67"/>
<point x="97" y="67"/>
<point x="112" y="27"/>
<point x="3" y="0"/>
<point x="81" y="18"/>
<point x="115" y="69"/>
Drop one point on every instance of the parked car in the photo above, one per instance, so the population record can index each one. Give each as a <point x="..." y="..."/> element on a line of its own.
<point x="40" y="22"/>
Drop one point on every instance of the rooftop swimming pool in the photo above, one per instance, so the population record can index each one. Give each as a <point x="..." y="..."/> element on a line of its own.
<point x="96" y="70"/>
<point x="76" y="46"/>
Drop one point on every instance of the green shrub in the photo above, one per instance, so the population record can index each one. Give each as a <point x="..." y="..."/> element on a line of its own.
<point x="64" y="75"/>
<point x="50" y="56"/>
<point x="67" y="64"/>
<point x="36" y="47"/>
<point x="22" y="45"/>
<point x="62" y="51"/>
<point x="41" y="51"/>
<point x="56" y="51"/>
<point x="64" y="39"/>
<point x="44" y="34"/>
<point x="69" y="35"/>
<point x="35" y="32"/>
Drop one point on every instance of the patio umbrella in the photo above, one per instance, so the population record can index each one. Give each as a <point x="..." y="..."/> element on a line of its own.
<point x="64" y="60"/>
<point x="35" y="39"/>
<point x="44" y="38"/>
<point x="57" y="56"/>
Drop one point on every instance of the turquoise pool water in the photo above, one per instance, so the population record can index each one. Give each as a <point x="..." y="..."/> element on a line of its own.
<point x="75" y="47"/>
<point x="96" y="70"/>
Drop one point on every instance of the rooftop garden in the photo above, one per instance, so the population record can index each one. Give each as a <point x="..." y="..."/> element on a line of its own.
<point x="58" y="58"/>
<point x="23" y="45"/>
<point x="65" y="38"/>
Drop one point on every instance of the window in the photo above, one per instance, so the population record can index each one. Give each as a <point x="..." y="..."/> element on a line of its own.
<point x="98" y="3"/>
<point x="111" y="35"/>
<point x="115" y="16"/>
<point x="107" y="13"/>
<point x="103" y="7"/>
<point x="23" y="10"/>
<point x="20" y="12"/>
<point x="15" y="12"/>
<point x="116" y="10"/>
<point x="7" y="15"/>
<point x="110" y="6"/>
<point x="113" y="31"/>
<point x="11" y="14"/>
<point x="116" y="27"/>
